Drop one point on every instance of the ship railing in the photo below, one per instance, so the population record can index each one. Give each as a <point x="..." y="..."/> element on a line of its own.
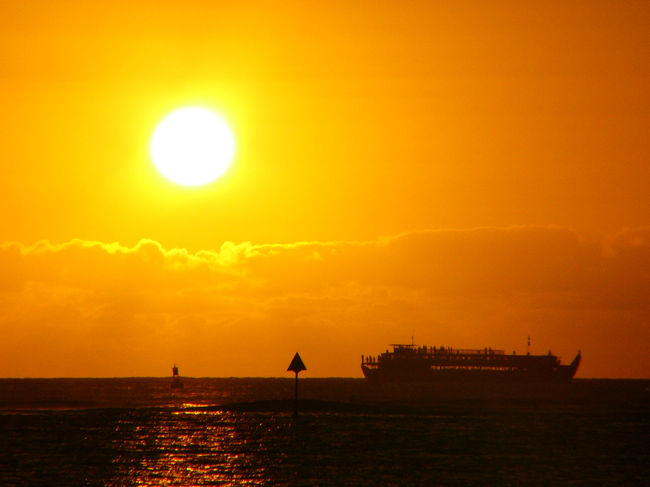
<point x="464" y="351"/>
<point x="485" y="351"/>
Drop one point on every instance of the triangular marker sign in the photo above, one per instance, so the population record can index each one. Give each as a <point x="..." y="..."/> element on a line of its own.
<point x="296" y="364"/>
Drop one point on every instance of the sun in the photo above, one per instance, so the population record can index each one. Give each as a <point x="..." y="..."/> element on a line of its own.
<point x="192" y="146"/>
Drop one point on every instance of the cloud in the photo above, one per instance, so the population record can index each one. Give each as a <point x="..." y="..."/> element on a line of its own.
<point x="79" y="307"/>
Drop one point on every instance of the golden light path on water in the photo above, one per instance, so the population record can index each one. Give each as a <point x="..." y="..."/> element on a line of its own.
<point x="193" y="447"/>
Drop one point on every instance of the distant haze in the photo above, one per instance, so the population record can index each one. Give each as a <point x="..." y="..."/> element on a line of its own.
<point x="87" y="308"/>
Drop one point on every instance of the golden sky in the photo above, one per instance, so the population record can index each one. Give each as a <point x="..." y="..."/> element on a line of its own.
<point x="467" y="173"/>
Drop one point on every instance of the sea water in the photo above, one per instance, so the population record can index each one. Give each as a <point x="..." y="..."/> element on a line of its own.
<point x="243" y="432"/>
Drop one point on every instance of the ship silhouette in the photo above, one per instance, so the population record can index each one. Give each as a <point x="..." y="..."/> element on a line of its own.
<point x="411" y="363"/>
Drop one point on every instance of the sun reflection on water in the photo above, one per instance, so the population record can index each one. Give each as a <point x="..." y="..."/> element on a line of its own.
<point x="189" y="447"/>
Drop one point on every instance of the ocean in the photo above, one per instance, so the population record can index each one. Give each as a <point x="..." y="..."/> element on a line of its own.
<point x="231" y="432"/>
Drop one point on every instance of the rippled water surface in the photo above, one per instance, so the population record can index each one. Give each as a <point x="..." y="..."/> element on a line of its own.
<point x="138" y="432"/>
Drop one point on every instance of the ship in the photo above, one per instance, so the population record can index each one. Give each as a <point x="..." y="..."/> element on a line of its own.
<point x="412" y="363"/>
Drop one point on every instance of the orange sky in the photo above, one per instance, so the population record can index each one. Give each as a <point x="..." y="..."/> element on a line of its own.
<point x="467" y="173"/>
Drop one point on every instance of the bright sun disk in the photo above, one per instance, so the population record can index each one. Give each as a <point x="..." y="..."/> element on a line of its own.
<point x="192" y="146"/>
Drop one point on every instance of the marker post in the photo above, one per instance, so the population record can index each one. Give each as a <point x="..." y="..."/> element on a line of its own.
<point x="296" y="365"/>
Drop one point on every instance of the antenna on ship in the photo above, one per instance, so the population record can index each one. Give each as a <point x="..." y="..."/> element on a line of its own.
<point x="528" y="346"/>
